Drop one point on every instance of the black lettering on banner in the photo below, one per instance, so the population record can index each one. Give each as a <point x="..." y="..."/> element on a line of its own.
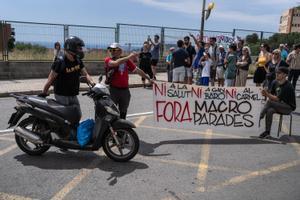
<point x="229" y="120"/>
<point x="219" y="107"/>
<point x="198" y="108"/>
<point x="232" y="106"/>
<point x="237" y="122"/>
<point x="197" y="117"/>
<point x="219" y="119"/>
<point x="240" y="105"/>
<point x="212" y="118"/>
<point x="212" y="107"/>
<point x="248" y="122"/>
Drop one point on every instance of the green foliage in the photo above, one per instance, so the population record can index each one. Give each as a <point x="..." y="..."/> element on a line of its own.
<point x="28" y="46"/>
<point x="252" y="39"/>
<point x="274" y="41"/>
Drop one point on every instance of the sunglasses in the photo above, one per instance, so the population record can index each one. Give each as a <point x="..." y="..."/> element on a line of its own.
<point x="114" y="50"/>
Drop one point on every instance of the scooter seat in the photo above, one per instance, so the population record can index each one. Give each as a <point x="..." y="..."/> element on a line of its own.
<point x="70" y="113"/>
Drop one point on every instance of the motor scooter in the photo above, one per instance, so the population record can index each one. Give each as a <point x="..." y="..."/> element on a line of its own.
<point x="48" y="123"/>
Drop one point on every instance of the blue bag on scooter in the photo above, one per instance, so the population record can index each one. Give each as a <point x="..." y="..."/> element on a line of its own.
<point x="85" y="131"/>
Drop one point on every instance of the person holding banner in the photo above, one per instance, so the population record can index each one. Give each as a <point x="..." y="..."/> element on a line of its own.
<point x="281" y="99"/>
<point x="117" y="67"/>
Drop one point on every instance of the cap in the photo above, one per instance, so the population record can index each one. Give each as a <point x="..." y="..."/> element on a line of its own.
<point x="284" y="70"/>
<point x="281" y="45"/>
<point x="114" y="45"/>
<point x="221" y="46"/>
<point x="172" y="49"/>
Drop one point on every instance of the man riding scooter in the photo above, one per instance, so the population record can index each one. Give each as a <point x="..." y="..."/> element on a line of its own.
<point x="65" y="73"/>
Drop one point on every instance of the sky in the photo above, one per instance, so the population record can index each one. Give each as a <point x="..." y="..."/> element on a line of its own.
<point x="261" y="15"/>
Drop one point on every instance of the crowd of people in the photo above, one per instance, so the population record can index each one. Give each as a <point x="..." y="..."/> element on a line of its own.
<point x="277" y="71"/>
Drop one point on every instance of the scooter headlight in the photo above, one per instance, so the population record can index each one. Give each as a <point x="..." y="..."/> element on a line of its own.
<point x="111" y="111"/>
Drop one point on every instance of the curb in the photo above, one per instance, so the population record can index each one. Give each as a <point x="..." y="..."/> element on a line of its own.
<point x="35" y="92"/>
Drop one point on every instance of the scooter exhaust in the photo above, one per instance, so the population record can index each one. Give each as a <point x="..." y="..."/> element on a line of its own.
<point x="27" y="135"/>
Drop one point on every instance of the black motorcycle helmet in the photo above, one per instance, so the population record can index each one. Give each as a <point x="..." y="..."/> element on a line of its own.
<point x="72" y="43"/>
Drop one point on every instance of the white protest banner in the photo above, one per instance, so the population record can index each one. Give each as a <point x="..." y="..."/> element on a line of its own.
<point x="199" y="108"/>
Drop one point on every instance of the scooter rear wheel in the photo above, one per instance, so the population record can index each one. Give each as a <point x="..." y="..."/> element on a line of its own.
<point x="128" y="148"/>
<point x="26" y="146"/>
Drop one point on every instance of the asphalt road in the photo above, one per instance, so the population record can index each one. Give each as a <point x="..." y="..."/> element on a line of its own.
<point x="172" y="164"/>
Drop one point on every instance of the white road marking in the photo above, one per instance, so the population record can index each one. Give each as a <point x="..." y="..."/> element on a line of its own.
<point x="8" y="149"/>
<point x="129" y="116"/>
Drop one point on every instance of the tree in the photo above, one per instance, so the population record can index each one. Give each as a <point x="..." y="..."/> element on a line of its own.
<point x="252" y="39"/>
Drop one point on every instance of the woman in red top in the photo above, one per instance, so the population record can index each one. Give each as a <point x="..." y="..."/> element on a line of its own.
<point x="117" y="68"/>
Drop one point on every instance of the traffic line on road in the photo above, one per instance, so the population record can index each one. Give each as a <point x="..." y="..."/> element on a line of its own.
<point x="192" y="132"/>
<point x="239" y="179"/>
<point x="12" y="197"/>
<point x="189" y="164"/>
<point x="203" y="165"/>
<point x="140" y="114"/>
<point x="140" y="120"/>
<point x="77" y="179"/>
<point x="6" y="131"/>
<point x="8" y="149"/>
<point x="7" y="139"/>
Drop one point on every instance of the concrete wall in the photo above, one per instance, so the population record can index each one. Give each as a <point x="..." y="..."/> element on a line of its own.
<point x="25" y="70"/>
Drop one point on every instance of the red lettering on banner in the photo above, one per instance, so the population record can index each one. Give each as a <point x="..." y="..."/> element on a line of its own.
<point x="176" y="111"/>
<point x="186" y="109"/>
<point x="230" y="92"/>
<point x="197" y="91"/>
<point x="165" y="112"/>
<point x="173" y="111"/>
<point x="161" y="88"/>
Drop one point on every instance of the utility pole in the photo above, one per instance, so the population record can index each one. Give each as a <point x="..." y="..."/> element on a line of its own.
<point x="202" y="20"/>
<point x="205" y="15"/>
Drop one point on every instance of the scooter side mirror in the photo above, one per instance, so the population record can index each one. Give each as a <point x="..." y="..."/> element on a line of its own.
<point x="100" y="78"/>
<point x="83" y="79"/>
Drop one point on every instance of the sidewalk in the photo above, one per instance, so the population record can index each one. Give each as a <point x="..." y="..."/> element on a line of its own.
<point x="35" y="86"/>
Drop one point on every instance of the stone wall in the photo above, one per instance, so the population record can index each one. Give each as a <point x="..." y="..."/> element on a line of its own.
<point x="26" y="70"/>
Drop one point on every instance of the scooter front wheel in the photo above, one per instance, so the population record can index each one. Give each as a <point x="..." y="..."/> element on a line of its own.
<point x="126" y="149"/>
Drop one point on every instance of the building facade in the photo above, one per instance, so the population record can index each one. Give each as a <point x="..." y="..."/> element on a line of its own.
<point x="290" y="21"/>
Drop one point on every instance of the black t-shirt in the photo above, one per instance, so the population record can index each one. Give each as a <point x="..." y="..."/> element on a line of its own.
<point x="191" y="51"/>
<point x="67" y="81"/>
<point x="145" y="60"/>
<point x="285" y="93"/>
<point x="179" y="57"/>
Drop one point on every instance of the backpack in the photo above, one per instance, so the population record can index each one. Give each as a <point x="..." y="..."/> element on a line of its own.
<point x="85" y="131"/>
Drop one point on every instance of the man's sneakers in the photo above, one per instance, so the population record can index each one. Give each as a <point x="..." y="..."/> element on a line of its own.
<point x="265" y="134"/>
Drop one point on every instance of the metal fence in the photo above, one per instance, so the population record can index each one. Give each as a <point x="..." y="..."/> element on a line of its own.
<point x="242" y="33"/>
<point x="35" y="41"/>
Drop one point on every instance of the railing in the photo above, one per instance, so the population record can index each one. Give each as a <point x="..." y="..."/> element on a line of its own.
<point x="35" y="41"/>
